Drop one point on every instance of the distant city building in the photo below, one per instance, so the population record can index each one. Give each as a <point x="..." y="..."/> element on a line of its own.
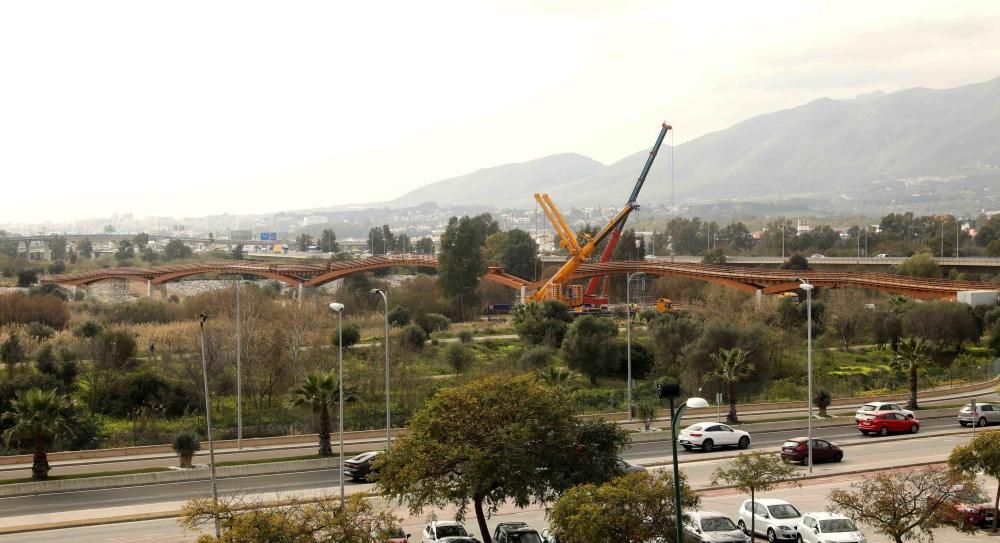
<point x="241" y="235"/>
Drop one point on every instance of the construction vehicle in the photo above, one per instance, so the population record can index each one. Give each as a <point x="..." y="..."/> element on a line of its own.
<point x="664" y="305"/>
<point x="578" y="298"/>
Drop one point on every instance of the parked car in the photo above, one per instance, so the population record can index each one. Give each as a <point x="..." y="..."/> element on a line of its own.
<point x="885" y="422"/>
<point x="438" y="530"/>
<point x="985" y="413"/>
<point x="796" y="450"/>
<point x="549" y="536"/>
<point x="881" y="255"/>
<point x="360" y="467"/>
<point x="709" y="435"/>
<point x="625" y="468"/>
<point x="875" y="407"/>
<point x="817" y="255"/>
<point x="704" y="526"/>
<point x="773" y="518"/>
<point x="397" y="535"/>
<point x="828" y="528"/>
<point x="515" y="532"/>
<point x="970" y="509"/>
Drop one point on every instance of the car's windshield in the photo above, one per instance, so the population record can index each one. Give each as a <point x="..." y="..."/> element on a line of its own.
<point x="976" y="498"/>
<point x="396" y="533"/>
<point x="783" y="511"/>
<point x="869" y="407"/>
<point x="694" y="428"/>
<point x="837" y="525"/>
<point x="451" y="531"/>
<point x="717" y="524"/>
<point x="527" y="537"/>
<point x="791" y="444"/>
<point x="966" y="408"/>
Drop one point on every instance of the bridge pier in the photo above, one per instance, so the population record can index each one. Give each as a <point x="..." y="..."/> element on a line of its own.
<point x="300" y="294"/>
<point x="149" y="288"/>
<point x="759" y="296"/>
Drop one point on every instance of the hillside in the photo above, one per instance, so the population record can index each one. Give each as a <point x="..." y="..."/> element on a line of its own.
<point x="877" y="148"/>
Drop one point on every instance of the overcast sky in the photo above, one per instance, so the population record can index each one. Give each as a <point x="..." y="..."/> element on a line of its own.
<point x="190" y="108"/>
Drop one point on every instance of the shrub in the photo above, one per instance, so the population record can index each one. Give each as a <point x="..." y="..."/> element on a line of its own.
<point x="26" y="278"/>
<point x="144" y="311"/>
<point x="88" y="329"/>
<point x="822" y="400"/>
<point x="459" y="357"/>
<point x="17" y="308"/>
<point x="542" y="324"/>
<point x="45" y="360"/>
<point x="413" y="337"/>
<point x="646" y="410"/>
<point x="647" y="315"/>
<point x="465" y="336"/>
<point x="40" y="330"/>
<point x="185" y="444"/>
<point x="433" y="322"/>
<point x="351" y="333"/>
<point x="642" y="359"/>
<point x="399" y="316"/>
<point x="145" y="388"/>
<point x="57" y="267"/>
<point x="536" y="357"/>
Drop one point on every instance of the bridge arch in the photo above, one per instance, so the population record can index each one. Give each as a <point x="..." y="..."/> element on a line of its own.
<point x="289" y="280"/>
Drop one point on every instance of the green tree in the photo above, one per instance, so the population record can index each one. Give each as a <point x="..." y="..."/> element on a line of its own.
<point x="125" y="250"/>
<point x="796" y="262"/>
<point x="244" y="520"/>
<point x="822" y="400"/>
<point x="237" y="252"/>
<point x="425" y="246"/>
<point x="498" y="439"/>
<point x="520" y="254"/>
<point x="542" y="324"/>
<point x="39" y="416"/>
<point x="994" y="339"/>
<point x="912" y="353"/>
<point x="981" y="455"/>
<point x="461" y="263"/>
<point x="558" y="378"/>
<point x="149" y="255"/>
<point x="731" y="366"/>
<point x="328" y="241"/>
<point x="947" y="324"/>
<point x="26" y="278"/>
<point x="590" y="346"/>
<point x="86" y="249"/>
<point x="920" y="265"/>
<point x="753" y="473"/>
<point x="351" y="333"/>
<point x="185" y="444"/>
<point x="399" y="316"/>
<point x="903" y="505"/>
<point x="57" y="246"/>
<point x="176" y="249"/>
<point x="715" y="256"/>
<point x="141" y="240"/>
<point x="459" y="357"/>
<point x="303" y="241"/>
<point x="636" y="507"/>
<point x="318" y="393"/>
<point x="671" y="335"/>
<point x="11" y="352"/>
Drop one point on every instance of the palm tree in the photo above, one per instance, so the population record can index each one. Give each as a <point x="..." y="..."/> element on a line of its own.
<point x="731" y="366"/>
<point x="319" y="392"/>
<point x="913" y="351"/>
<point x="39" y="416"/>
<point x="559" y="378"/>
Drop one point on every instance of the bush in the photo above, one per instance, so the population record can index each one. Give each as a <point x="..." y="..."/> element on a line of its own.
<point x="185" y="444"/>
<point x="542" y="324"/>
<point x="57" y="267"/>
<point x="796" y="262"/>
<point x="413" y="337"/>
<point x="41" y="331"/>
<point x="433" y="322"/>
<point x="459" y="357"/>
<point x="45" y="360"/>
<point x="144" y="311"/>
<point x="536" y="357"/>
<point x="465" y="336"/>
<point x="351" y="332"/>
<point x="647" y="315"/>
<point x="399" y="316"/>
<point x="88" y="329"/>
<point x="822" y="400"/>
<point x="146" y="388"/>
<point x="920" y="265"/>
<point x="642" y="359"/>
<point x="26" y="278"/>
<point x="17" y="308"/>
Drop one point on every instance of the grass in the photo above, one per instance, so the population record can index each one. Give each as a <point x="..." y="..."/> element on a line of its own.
<point x="272" y="460"/>
<point x="87" y="475"/>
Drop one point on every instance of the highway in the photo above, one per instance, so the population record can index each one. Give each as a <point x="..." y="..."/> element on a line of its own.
<point x="642" y="453"/>
<point x="872" y="454"/>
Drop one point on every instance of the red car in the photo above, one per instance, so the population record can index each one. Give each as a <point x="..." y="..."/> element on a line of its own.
<point x="884" y="423"/>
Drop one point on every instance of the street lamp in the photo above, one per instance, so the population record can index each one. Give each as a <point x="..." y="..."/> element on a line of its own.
<point x="809" y="364"/>
<point x="339" y="310"/>
<point x="239" y="371"/>
<point x="388" y="412"/>
<point x="208" y="427"/>
<point x="672" y="391"/>
<point x="628" y="335"/>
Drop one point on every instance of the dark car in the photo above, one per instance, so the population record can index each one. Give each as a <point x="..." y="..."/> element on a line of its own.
<point x="796" y="450"/>
<point x="970" y="508"/>
<point x="515" y="532"/>
<point x="360" y="467"/>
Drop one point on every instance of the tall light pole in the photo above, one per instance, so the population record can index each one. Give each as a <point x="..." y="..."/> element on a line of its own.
<point x="239" y="372"/>
<point x="388" y="408"/>
<point x="339" y="310"/>
<point x="628" y="336"/>
<point x="208" y="427"/>
<point x="809" y="364"/>
<point x="671" y="392"/>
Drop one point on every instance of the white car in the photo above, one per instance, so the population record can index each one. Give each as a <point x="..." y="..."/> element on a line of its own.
<point x="869" y="409"/>
<point x="829" y="528"/>
<point x="439" y="529"/>
<point x="709" y="435"/>
<point x="709" y="526"/>
<point x="773" y="518"/>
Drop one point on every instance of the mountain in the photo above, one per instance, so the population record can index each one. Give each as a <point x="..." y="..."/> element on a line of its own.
<point x="510" y="185"/>
<point x="877" y="149"/>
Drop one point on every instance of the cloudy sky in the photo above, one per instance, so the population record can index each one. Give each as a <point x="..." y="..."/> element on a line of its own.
<point x="190" y="108"/>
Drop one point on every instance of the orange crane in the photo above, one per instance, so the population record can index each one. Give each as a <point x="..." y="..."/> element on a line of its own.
<point x="574" y="295"/>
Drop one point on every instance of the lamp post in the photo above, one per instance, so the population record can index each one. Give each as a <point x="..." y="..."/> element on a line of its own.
<point x="388" y="412"/>
<point x="671" y="392"/>
<point x="628" y="336"/>
<point x="208" y="427"/>
<point x="809" y="365"/>
<point x="239" y="372"/>
<point x="339" y="310"/>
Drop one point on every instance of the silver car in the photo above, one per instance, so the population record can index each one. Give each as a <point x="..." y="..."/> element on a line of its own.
<point x="985" y="413"/>
<point x="709" y="526"/>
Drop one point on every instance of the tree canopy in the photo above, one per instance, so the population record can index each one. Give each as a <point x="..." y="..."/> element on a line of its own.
<point x="590" y="346"/>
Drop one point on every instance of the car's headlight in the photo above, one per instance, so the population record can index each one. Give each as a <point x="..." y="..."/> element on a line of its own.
<point x="784" y="528"/>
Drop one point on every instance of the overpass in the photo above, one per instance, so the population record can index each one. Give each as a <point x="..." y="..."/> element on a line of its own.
<point x="312" y="274"/>
<point x="829" y="261"/>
